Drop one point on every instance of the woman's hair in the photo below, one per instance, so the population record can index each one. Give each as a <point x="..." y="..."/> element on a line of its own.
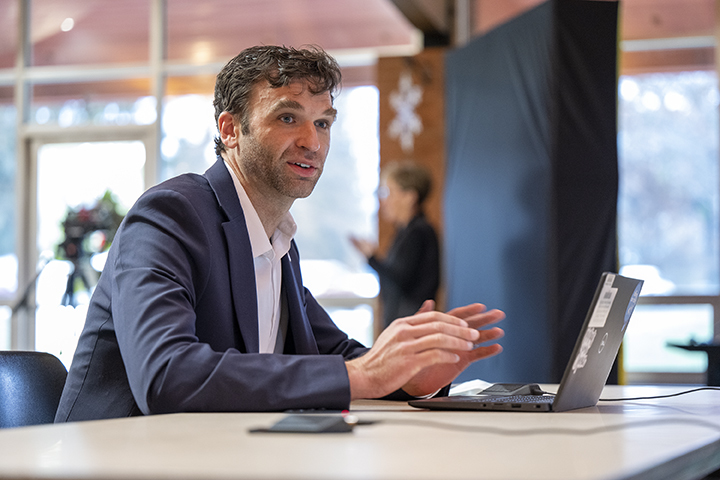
<point x="279" y="66"/>
<point x="410" y="176"/>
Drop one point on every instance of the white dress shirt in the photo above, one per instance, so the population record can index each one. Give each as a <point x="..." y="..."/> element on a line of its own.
<point x="268" y="269"/>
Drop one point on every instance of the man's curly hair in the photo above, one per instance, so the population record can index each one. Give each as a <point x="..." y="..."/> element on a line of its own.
<point x="278" y="66"/>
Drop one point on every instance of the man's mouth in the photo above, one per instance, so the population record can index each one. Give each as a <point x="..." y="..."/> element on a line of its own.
<point x="304" y="169"/>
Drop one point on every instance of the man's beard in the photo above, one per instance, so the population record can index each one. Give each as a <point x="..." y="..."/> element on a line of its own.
<point x="260" y="163"/>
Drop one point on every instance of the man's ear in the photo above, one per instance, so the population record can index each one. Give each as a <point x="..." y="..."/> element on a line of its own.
<point x="229" y="129"/>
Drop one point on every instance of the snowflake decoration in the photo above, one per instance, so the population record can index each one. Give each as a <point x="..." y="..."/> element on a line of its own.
<point x="406" y="123"/>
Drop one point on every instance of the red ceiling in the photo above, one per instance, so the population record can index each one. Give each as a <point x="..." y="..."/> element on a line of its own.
<point x="214" y="30"/>
<point x="201" y="31"/>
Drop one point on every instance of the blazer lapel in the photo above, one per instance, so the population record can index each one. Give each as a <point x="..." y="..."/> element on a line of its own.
<point x="299" y="330"/>
<point x="242" y="279"/>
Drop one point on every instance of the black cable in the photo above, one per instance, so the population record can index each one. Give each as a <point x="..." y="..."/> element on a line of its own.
<point x="658" y="396"/>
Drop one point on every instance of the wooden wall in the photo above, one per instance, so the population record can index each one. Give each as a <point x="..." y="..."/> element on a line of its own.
<point x="427" y="145"/>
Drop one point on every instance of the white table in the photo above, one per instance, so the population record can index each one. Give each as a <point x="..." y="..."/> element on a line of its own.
<point x="674" y="438"/>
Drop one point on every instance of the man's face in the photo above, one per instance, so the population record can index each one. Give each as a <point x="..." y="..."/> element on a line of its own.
<point x="283" y="155"/>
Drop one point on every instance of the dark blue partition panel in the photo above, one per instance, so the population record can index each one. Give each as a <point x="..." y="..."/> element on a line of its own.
<point x="498" y="188"/>
<point x="531" y="181"/>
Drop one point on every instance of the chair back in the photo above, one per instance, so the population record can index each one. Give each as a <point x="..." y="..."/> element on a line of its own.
<point x="30" y="387"/>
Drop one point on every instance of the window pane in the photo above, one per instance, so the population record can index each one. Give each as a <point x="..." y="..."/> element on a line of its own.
<point x="188" y="129"/>
<point x="5" y="317"/>
<point x="653" y="327"/>
<point x="121" y="102"/>
<point x="75" y="175"/>
<point x="668" y="205"/>
<point x="71" y="179"/>
<point x="8" y="256"/>
<point x="79" y="32"/>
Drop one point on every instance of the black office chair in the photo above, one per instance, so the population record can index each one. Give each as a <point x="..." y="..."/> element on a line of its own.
<point x="30" y="387"/>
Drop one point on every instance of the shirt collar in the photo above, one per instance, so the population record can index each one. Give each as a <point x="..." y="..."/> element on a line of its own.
<point x="259" y="242"/>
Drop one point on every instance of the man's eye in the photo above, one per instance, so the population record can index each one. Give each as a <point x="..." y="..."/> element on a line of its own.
<point x="323" y="124"/>
<point x="286" y="119"/>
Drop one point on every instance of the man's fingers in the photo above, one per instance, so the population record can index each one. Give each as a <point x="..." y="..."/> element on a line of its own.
<point x="425" y="351"/>
<point x="486" y="318"/>
<point x="420" y="330"/>
<point x="454" y="339"/>
<point x="484" y="352"/>
<point x="430" y="317"/>
<point x="420" y="325"/>
<point x="474" y="315"/>
<point x="427" y="306"/>
<point x="441" y="341"/>
<point x="468" y="310"/>
<point x="489" y="335"/>
<point x="434" y="357"/>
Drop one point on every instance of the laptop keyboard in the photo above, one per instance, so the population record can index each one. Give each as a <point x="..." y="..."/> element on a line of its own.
<point x="502" y="388"/>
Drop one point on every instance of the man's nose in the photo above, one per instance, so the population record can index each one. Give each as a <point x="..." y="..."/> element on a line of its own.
<point x="309" y="138"/>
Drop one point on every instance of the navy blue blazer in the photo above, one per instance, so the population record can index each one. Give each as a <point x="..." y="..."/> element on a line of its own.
<point x="172" y="324"/>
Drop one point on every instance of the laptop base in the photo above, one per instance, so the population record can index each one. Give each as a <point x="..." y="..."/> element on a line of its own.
<point x="524" y="403"/>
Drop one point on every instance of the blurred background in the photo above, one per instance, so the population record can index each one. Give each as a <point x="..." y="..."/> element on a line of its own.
<point x="104" y="99"/>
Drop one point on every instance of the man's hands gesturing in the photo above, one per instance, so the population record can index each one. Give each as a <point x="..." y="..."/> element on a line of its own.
<point x="424" y="352"/>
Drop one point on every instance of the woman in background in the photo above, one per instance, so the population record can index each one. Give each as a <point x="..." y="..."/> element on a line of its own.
<point x="410" y="272"/>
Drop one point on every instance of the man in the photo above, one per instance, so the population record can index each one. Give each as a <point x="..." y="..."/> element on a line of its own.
<point x="201" y="305"/>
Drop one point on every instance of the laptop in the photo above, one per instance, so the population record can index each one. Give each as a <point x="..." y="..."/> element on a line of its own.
<point x="587" y="371"/>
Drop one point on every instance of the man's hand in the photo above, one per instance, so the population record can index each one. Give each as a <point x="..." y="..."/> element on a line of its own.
<point x="424" y="352"/>
<point x="431" y="379"/>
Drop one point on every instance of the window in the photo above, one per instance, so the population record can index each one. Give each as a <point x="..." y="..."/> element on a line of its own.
<point x="669" y="177"/>
<point x="5" y="331"/>
<point x="668" y="216"/>
<point x="71" y="178"/>
<point x="8" y="205"/>
<point x="187" y="138"/>
<point x="113" y="103"/>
